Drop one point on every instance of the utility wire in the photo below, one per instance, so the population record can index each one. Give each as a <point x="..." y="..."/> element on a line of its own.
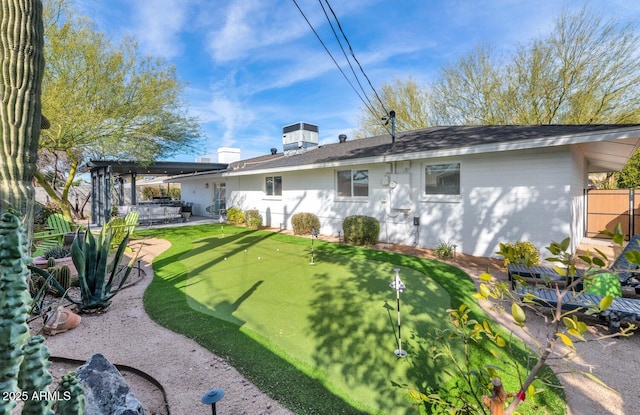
<point x="372" y="109"/>
<point x="353" y="71"/>
<point x="366" y="103"/>
<point x="354" y="56"/>
<point x="344" y="35"/>
<point x="330" y="55"/>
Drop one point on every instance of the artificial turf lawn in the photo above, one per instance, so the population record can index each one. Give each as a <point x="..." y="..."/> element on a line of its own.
<point x="318" y="338"/>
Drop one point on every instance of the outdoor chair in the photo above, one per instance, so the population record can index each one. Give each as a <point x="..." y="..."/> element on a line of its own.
<point x="627" y="272"/>
<point x="43" y="241"/>
<point x="144" y="213"/>
<point x="621" y="308"/>
<point x="131" y="221"/>
<point x="59" y="226"/>
<point x="121" y="226"/>
<point x="538" y="275"/>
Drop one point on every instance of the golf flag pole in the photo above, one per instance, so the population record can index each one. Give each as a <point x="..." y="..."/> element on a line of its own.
<point x="314" y="233"/>
<point x="399" y="286"/>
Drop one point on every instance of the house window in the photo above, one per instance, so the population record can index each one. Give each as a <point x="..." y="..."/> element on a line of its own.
<point x="442" y="179"/>
<point x="353" y="183"/>
<point x="273" y="185"/>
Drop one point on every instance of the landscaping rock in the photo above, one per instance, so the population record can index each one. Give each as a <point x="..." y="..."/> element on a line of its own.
<point x="106" y="392"/>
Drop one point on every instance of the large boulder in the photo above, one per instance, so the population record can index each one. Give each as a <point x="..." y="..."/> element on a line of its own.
<point x="106" y="392"/>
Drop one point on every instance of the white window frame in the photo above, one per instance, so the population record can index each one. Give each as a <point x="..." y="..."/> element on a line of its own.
<point x="273" y="181"/>
<point x="352" y="188"/>
<point x="441" y="197"/>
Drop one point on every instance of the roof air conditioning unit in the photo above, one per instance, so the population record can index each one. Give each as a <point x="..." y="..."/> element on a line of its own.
<point x="299" y="136"/>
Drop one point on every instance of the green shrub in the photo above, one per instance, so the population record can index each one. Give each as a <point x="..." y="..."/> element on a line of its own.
<point x="304" y="222"/>
<point x="253" y="219"/>
<point x="148" y="192"/>
<point x="100" y="273"/>
<point x="361" y="230"/>
<point x="519" y="253"/>
<point x="445" y="250"/>
<point x="42" y="213"/>
<point x="235" y="216"/>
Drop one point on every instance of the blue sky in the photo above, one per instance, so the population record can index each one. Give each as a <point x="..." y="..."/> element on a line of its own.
<point x="254" y="66"/>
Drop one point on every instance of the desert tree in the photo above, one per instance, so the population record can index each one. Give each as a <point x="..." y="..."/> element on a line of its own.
<point x="105" y="100"/>
<point x="407" y="98"/>
<point x="629" y="176"/>
<point x="585" y="71"/>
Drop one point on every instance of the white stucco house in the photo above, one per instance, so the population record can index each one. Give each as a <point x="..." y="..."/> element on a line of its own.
<point x="472" y="186"/>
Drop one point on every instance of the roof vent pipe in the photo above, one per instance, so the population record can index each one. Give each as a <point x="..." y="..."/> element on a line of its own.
<point x="342" y="138"/>
<point x="273" y="151"/>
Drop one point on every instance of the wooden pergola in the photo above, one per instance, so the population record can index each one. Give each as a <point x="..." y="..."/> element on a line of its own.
<point x="107" y="175"/>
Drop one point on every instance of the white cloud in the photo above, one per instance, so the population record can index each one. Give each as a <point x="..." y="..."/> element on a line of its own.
<point x="251" y="25"/>
<point x="159" y="25"/>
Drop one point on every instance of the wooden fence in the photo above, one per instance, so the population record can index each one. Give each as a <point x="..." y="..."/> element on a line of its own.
<point x="607" y="208"/>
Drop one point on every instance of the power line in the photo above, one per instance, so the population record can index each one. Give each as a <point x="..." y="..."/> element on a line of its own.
<point x="354" y="56"/>
<point x="366" y="103"/>
<point x="371" y="106"/>
<point x="330" y="55"/>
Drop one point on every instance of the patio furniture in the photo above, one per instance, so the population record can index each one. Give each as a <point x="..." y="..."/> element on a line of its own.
<point x="186" y="211"/>
<point x="43" y="241"/>
<point x="621" y="308"/>
<point x="121" y="226"/>
<point x="626" y="271"/>
<point x="538" y="275"/>
<point x="59" y="226"/>
<point x="149" y="214"/>
<point x="131" y="221"/>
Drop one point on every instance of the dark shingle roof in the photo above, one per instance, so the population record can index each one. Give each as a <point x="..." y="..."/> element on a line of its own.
<point x="424" y="140"/>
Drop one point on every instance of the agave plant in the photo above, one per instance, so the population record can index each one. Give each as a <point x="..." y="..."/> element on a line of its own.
<point x="97" y="272"/>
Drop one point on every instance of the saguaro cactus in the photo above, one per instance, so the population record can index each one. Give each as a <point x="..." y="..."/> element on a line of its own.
<point x="22" y="67"/>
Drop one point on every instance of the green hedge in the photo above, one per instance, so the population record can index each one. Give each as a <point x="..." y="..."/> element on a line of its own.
<point x="235" y="216"/>
<point x="304" y="222"/>
<point x="253" y="219"/>
<point x="361" y="230"/>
